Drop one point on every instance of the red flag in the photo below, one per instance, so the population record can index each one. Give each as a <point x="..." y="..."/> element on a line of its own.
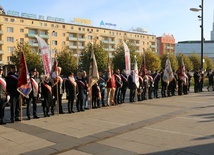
<point x="24" y="85"/>
<point x="143" y="67"/>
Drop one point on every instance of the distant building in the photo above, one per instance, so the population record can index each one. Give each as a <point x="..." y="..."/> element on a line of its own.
<point x="166" y="44"/>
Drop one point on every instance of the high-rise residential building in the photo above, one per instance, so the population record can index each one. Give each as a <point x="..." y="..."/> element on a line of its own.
<point x="166" y="44"/>
<point x="22" y="27"/>
<point x="212" y="32"/>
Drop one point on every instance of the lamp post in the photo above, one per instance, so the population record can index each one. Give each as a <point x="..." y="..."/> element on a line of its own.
<point x="201" y="17"/>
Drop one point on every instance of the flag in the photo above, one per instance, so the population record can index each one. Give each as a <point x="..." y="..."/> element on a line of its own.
<point x="127" y="59"/>
<point x="93" y="70"/>
<point x="143" y="67"/>
<point x="135" y="75"/>
<point x="109" y="67"/>
<point x="182" y="74"/>
<point x="24" y="85"/>
<point x="46" y="55"/>
<point x="168" y="73"/>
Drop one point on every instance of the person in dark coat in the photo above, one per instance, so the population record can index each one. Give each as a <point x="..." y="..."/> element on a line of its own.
<point x="12" y="81"/>
<point x="102" y="84"/>
<point x="70" y="89"/>
<point x="3" y="96"/>
<point x="46" y="95"/>
<point x="33" y="95"/>
<point x="124" y="85"/>
<point x="156" y="79"/>
<point x="132" y="87"/>
<point x="81" y="85"/>
<point x="95" y="96"/>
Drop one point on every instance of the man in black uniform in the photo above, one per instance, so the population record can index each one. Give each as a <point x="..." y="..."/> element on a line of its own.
<point x="33" y="95"/>
<point x="3" y="96"/>
<point x="156" y="79"/>
<point x="12" y="81"/>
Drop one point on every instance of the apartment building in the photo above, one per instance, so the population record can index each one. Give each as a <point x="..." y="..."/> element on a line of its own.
<point x="166" y="44"/>
<point x="22" y="27"/>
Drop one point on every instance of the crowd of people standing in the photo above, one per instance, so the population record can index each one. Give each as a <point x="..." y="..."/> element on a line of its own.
<point x="49" y="90"/>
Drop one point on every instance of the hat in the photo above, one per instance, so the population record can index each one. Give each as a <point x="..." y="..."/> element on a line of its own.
<point x="33" y="70"/>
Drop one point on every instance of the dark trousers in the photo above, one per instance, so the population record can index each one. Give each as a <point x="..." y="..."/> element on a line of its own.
<point x="53" y="107"/>
<point x="79" y="105"/>
<point x="155" y="91"/>
<point x="132" y="95"/>
<point x="117" y="95"/>
<point x="70" y="105"/>
<point x="28" y="108"/>
<point x="103" y="97"/>
<point x="14" y="107"/>
<point x="123" y="94"/>
<point x="2" y="107"/>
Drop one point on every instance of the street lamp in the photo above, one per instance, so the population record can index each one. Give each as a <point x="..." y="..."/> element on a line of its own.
<point x="201" y="17"/>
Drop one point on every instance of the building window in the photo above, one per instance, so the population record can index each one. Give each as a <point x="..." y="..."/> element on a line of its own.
<point x="83" y="29"/>
<point x="10" y="39"/>
<point x="63" y="26"/>
<point x="12" y="20"/>
<point x="45" y="24"/>
<point x="54" y="42"/>
<point x="90" y="37"/>
<point x="40" y="24"/>
<point x="52" y="25"/>
<point x="57" y="26"/>
<point x="79" y="28"/>
<point x="8" y="59"/>
<point x="21" y="40"/>
<point x="72" y="27"/>
<point x="10" y="29"/>
<point x="21" y="21"/>
<point x="54" y="34"/>
<point x="63" y="34"/>
<point x="22" y="30"/>
<point x="63" y="43"/>
<point x="10" y="49"/>
<point x="5" y="19"/>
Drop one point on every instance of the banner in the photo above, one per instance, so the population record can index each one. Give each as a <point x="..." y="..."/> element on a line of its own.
<point x="24" y="85"/>
<point x="168" y="73"/>
<point x="109" y="68"/>
<point x="46" y="55"/>
<point x="182" y="74"/>
<point x="135" y="75"/>
<point x="143" y="67"/>
<point x="127" y="59"/>
<point x="93" y="70"/>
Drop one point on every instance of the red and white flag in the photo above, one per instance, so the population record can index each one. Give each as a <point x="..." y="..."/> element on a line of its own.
<point x="168" y="73"/>
<point x="46" y="55"/>
<point x="135" y="75"/>
<point x="127" y="59"/>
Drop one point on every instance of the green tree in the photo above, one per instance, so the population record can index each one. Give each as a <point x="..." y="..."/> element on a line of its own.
<point x="118" y="61"/>
<point x="196" y="60"/>
<point x="67" y="61"/>
<point x="173" y="61"/>
<point x="33" y="59"/>
<point x="152" y="61"/>
<point x="100" y="54"/>
<point x="187" y="62"/>
<point x="209" y="63"/>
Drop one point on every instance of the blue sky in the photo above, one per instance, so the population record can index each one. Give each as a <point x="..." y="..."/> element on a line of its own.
<point x="156" y="16"/>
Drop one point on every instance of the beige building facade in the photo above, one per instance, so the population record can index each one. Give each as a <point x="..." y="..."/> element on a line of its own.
<point x="58" y="34"/>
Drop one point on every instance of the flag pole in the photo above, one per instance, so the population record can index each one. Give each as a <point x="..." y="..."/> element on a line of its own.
<point x="20" y="105"/>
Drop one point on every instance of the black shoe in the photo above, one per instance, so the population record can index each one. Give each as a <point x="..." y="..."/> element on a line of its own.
<point x="12" y="120"/>
<point x="72" y="111"/>
<point x="17" y="119"/>
<point x="2" y="122"/>
<point x="36" y="117"/>
<point x="86" y="108"/>
<point x="69" y="112"/>
<point x="61" y="112"/>
<point x="48" y="115"/>
<point x="28" y="117"/>
<point x="52" y="112"/>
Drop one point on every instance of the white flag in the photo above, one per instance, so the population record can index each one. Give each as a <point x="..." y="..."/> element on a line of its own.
<point x="168" y="73"/>
<point x="93" y="70"/>
<point x="46" y="55"/>
<point x="127" y="59"/>
<point x="135" y="75"/>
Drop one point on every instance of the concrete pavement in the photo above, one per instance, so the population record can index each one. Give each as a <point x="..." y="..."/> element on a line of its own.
<point x="179" y="125"/>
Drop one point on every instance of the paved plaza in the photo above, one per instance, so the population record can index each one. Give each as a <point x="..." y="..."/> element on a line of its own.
<point x="179" y="125"/>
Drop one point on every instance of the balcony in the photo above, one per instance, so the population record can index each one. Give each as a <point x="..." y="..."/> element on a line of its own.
<point x="105" y="41"/>
<point x="81" y="47"/>
<point x="72" y="47"/>
<point x="44" y="36"/>
<point x="33" y="44"/>
<point x="111" y="42"/>
<point x="152" y="46"/>
<point x="1" y="32"/>
<point x="1" y="52"/>
<point x="31" y="35"/>
<point x="1" y="62"/>
<point x="72" y="38"/>
<point x="81" y="39"/>
<point x="1" y="42"/>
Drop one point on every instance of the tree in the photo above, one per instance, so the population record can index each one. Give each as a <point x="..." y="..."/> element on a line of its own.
<point x="100" y="54"/>
<point x="196" y="61"/>
<point x="152" y="61"/>
<point x="187" y="62"/>
<point x="173" y="61"/>
<point x="208" y="62"/>
<point x="118" y="61"/>
<point x="67" y="61"/>
<point x="33" y="59"/>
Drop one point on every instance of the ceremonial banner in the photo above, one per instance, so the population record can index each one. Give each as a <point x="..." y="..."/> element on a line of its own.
<point x="135" y="75"/>
<point x="127" y="59"/>
<point x="182" y="74"/>
<point x="168" y="73"/>
<point x="46" y="55"/>
<point x="143" y="67"/>
<point x="93" y="70"/>
<point x="109" y="68"/>
<point x="24" y="85"/>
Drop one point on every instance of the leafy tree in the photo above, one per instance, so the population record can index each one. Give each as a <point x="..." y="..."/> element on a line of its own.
<point x="187" y="62"/>
<point x="67" y="61"/>
<point x="173" y="61"/>
<point x="119" y="56"/>
<point x="100" y="54"/>
<point x="196" y="61"/>
<point x="33" y="59"/>
<point x="208" y="62"/>
<point x="152" y="61"/>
